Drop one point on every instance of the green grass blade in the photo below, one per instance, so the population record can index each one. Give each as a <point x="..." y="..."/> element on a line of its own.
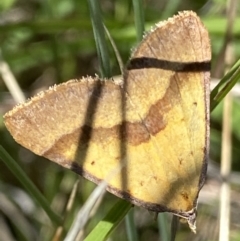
<point x="139" y="18"/>
<point x="171" y="7"/>
<point x="225" y="85"/>
<point x="115" y="49"/>
<point x="103" y="229"/>
<point x="84" y="213"/>
<point x="163" y="227"/>
<point x="99" y="36"/>
<point x="131" y="227"/>
<point x="27" y="183"/>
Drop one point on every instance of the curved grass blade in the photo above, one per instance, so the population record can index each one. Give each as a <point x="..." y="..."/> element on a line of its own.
<point x="28" y="184"/>
<point x="105" y="227"/>
<point x="99" y="36"/>
<point x="225" y="85"/>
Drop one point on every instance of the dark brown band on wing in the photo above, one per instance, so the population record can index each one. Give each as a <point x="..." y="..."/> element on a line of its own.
<point x="138" y="132"/>
<point x="133" y="133"/>
<point x="145" y="62"/>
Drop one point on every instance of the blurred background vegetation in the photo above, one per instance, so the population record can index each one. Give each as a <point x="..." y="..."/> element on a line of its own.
<point x="48" y="42"/>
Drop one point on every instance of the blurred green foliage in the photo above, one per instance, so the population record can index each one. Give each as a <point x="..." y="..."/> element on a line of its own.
<point x="47" y="42"/>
